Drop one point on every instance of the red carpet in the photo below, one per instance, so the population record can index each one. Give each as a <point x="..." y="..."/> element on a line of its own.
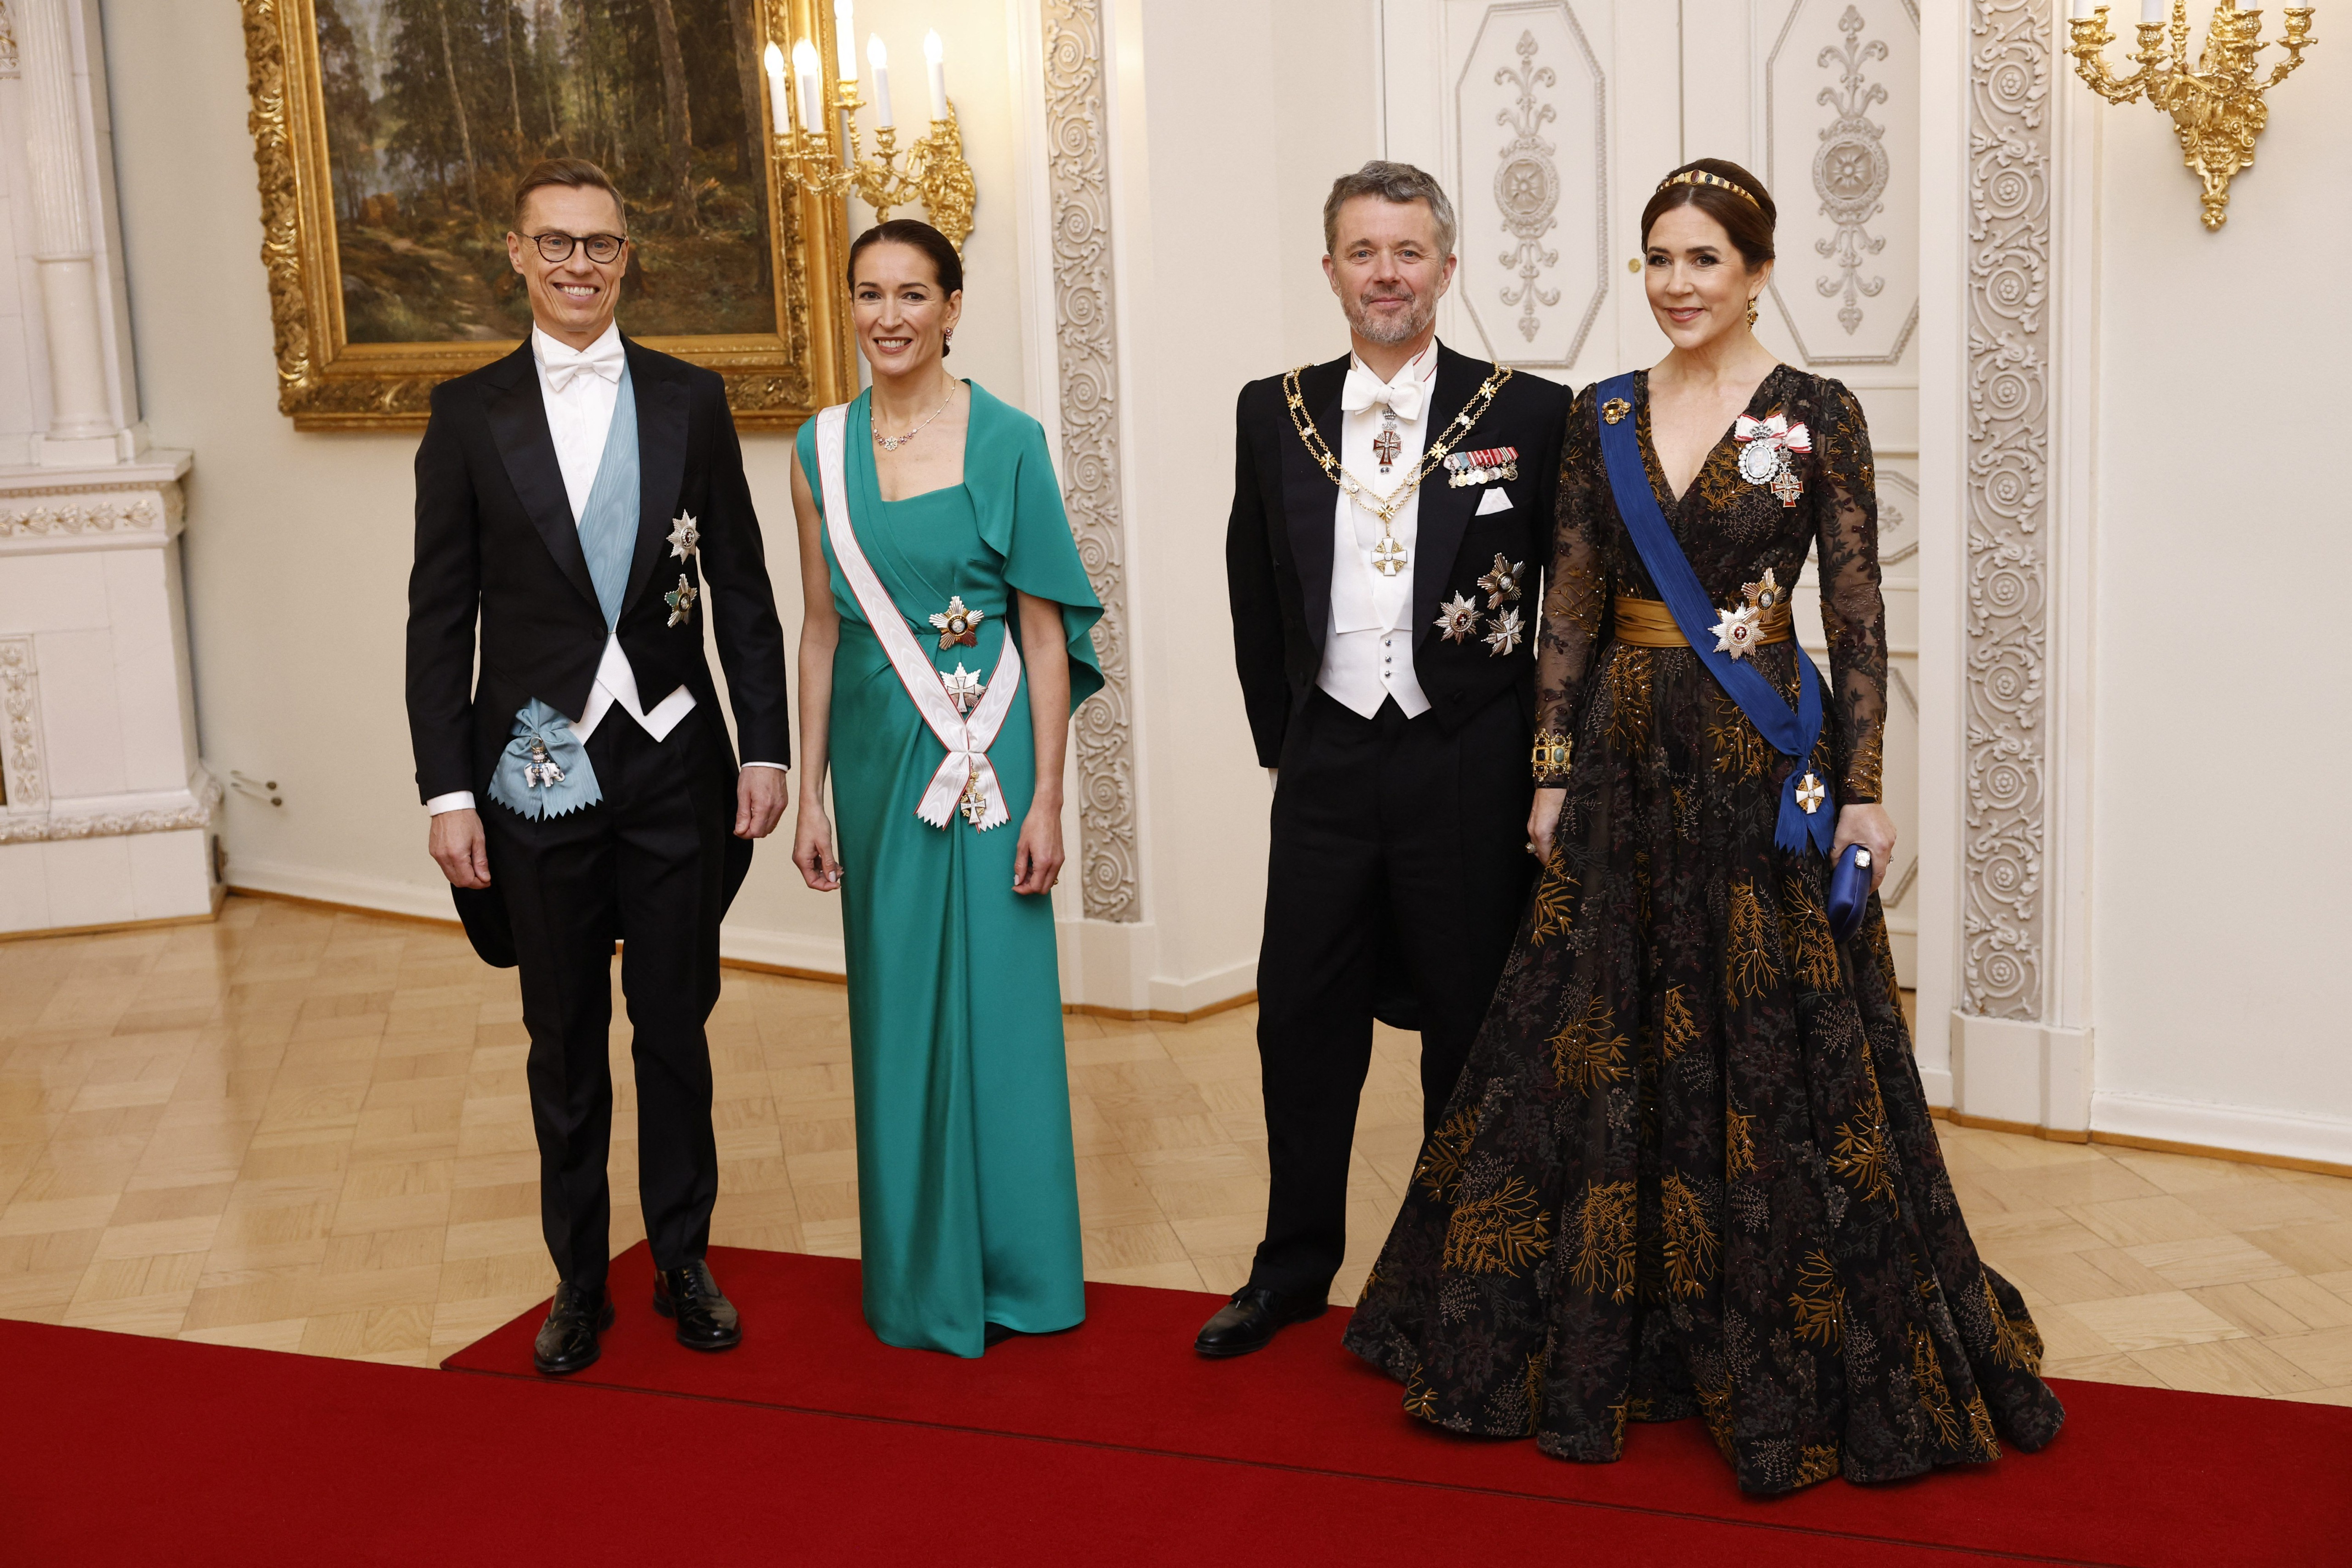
<point x="120" y="1450"/>
<point x="2141" y="1477"/>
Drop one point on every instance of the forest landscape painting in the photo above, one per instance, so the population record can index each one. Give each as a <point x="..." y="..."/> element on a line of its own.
<point x="434" y="107"/>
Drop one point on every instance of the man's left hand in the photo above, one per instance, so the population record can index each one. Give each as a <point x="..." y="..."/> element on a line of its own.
<point x="758" y="801"/>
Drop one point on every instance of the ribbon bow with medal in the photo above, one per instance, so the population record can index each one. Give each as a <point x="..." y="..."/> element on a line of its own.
<point x="1764" y="448"/>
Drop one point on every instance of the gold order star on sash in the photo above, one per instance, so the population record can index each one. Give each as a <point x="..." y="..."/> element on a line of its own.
<point x="685" y="538"/>
<point x="1458" y="617"/>
<point x="681" y="600"/>
<point x="964" y="687"/>
<point x="1809" y="794"/>
<point x="1764" y="595"/>
<point x="1502" y="585"/>
<point x="959" y="624"/>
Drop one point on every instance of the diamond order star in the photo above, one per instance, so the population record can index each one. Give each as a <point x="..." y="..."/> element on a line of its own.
<point x="680" y="599"/>
<point x="964" y="687"/>
<point x="1736" y="630"/>
<point x="1809" y="794"/>
<point x="1504" y="633"/>
<point x="958" y="624"/>
<point x="1458" y="617"/>
<point x="685" y="538"/>
<point x="1502" y="585"/>
<point x="1764" y="595"/>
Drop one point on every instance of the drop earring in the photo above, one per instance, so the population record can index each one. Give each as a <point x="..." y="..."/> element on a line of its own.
<point x="1752" y="312"/>
<point x="947" y="334"/>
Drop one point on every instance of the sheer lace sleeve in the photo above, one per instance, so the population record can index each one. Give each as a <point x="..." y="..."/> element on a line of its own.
<point x="1854" y="616"/>
<point x="1575" y="593"/>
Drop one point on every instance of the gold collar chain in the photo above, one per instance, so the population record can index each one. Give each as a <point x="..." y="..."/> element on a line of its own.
<point x="1362" y="493"/>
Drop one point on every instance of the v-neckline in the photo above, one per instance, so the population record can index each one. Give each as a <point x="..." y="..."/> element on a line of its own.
<point x="1658" y="464"/>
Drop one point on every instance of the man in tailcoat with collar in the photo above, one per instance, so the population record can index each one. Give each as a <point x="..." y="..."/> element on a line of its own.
<point x="583" y="499"/>
<point x="1391" y="520"/>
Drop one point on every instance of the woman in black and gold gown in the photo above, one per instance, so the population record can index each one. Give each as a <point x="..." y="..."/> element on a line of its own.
<point x="1689" y="1168"/>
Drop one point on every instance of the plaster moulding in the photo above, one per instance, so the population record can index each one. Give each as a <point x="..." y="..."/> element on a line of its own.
<point x="204" y="799"/>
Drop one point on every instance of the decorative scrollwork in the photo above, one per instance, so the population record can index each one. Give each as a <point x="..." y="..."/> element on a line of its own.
<point x="1526" y="184"/>
<point x="22" y="786"/>
<point x="1079" y="177"/>
<point x="1850" y="169"/>
<point x="2006" y="622"/>
<point x="204" y="798"/>
<point x="80" y="517"/>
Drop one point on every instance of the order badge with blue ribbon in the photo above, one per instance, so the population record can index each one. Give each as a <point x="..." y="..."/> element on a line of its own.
<point x="544" y="769"/>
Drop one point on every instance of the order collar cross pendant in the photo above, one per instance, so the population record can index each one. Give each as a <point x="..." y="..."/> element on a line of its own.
<point x="1385" y="447"/>
<point x="1387" y="556"/>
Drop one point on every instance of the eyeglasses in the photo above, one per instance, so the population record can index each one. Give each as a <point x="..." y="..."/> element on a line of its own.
<point x="554" y="246"/>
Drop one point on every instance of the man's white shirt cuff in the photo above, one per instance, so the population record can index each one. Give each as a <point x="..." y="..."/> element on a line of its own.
<point x="455" y="800"/>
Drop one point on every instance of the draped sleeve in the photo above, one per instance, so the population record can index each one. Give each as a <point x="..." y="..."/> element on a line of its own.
<point x="1576" y="588"/>
<point x="1853" y="614"/>
<point x="1009" y="470"/>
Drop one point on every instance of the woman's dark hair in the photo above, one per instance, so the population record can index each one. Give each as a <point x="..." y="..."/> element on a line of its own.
<point x="1747" y="218"/>
<point x="947" y="267"/>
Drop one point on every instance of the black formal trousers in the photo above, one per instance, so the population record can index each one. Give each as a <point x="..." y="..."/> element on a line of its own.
<point x="1394" y="840"/>
<point x="644" y="867"/>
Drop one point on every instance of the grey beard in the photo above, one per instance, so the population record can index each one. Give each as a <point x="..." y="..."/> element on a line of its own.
<point x="1402" y="330"/>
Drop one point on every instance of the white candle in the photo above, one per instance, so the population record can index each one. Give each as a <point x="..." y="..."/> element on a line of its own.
<point x="779" y="114"/>
<point x="932" y="55"/>
<point x="844" y="39"/>
<point x="879" y="58"/>
<point x="805" y="67"/>
<point x="2155" y="11"/>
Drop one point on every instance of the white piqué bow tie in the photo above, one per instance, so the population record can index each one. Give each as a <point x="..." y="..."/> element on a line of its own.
<point x="1364" y="390"/>
<point x="566" y="364"/>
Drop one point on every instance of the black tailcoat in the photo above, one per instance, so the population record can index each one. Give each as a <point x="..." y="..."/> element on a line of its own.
<point x="1397" y="870"/>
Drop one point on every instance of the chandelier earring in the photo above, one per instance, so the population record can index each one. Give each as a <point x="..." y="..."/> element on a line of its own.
<point x="1751" y="311"/>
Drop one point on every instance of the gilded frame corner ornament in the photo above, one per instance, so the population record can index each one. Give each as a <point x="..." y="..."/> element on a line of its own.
<point x="774" y="380"/>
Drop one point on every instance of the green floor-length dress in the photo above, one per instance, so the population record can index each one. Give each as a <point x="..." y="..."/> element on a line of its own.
<point x="968" y="1195"/>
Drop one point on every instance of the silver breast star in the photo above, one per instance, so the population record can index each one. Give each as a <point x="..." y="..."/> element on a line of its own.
<point x="684" y="539"/>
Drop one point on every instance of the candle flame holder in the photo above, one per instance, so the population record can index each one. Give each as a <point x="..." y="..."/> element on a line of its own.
<point x="2218" y="108"/>
<point x="829" y="163"/>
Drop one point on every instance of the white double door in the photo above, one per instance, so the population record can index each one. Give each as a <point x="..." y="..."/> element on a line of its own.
<point x="1550" y="122"/>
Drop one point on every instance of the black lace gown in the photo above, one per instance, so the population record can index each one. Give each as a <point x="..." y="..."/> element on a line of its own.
<point x="1689" y="1168"/>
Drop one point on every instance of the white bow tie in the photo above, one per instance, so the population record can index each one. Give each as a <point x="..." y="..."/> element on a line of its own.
<point x="1364" y="389"/>
<point x="566" y="364"/>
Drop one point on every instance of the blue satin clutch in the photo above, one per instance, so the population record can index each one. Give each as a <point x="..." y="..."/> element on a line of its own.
<point x="1849" y="891"/>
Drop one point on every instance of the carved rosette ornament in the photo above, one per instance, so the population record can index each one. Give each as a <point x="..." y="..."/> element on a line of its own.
<point x="2008" y="477"/>
<point x="1076" y="122"/>
<point x="1850" y="169"/>
<point x="1526" y="184"/>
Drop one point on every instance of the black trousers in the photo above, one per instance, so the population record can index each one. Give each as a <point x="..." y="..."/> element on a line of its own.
<point x="643" y="866"/>
<point x="1393" y="842"/>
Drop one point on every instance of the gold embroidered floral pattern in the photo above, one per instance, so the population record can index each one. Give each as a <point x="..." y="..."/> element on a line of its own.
<point x="1554" y="906"/>
<point x="1714" y="1409"/>
<point x="1738" y="1143"/>
<point x="1501" y="1233"/>
<point x="1678" y="1028"/>
<point x="1805" y="928"/>
<point x="1420" y="1399"/>
<point x="1687" y="1242"/>
<point x="1588" y="1051"/>
<point x="1604" y="1264"/>
<point x="1441" y="1158"/>
<point x="1819" y="1302"/>
<point x="1927" y="1387"/>
<point x="1629" y="698"/>
<point x="1862" y="1158"/>
<point x="2016" y="1342"/>
<point x="1538" y="1364"/>
<point x="1816" y="1462"/>
<point x="1739" y="752"/>
<point x="1747" y="965"/>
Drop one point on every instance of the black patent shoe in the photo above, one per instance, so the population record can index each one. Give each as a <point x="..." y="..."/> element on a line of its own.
<point x="1251" y="1319"/>
<point x="706" y="1320"/>
<point x="567" y="1340"/>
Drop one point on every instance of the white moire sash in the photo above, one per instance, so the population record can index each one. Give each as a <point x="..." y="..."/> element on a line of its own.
<point x="964" y="774"/>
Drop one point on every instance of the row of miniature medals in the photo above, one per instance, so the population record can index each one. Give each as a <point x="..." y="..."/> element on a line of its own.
<point x="1458" y="617"/>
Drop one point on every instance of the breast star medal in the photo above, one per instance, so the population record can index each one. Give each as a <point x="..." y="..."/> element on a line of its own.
<point x="1503" y="634"/>
<point x="540" y="772"/>
<point x="958" y="624"/>
<point x="1764" y="448"/>
<point x="1458" y="617"/>
<point x="964" y="687"/>
<point x="1502" y="585"/>
<point x="684" y="539"/>
<point x="1809" y="794"/>
<point x="1764" y="595"/>
<point x="1736" y="630"/>
<point x="680" y="599"/>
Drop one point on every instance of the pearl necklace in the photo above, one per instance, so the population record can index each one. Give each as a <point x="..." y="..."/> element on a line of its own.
<point x="892" y="443"/>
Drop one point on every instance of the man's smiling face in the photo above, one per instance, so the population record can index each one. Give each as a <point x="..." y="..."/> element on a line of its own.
<point x="572" y="301"/>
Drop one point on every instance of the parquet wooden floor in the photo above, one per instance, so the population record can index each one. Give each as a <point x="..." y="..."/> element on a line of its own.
<point x="308" y="1130"/>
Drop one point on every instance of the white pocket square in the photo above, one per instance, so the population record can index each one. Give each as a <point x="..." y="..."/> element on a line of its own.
<point x="1495" y="500"/>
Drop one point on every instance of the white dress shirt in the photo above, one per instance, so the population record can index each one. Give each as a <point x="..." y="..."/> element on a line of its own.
<point x="1368" y="642"/>
<point x="580" y="388"/>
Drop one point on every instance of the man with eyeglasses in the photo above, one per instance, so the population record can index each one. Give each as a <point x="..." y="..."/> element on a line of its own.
<point x="583" y="500"/>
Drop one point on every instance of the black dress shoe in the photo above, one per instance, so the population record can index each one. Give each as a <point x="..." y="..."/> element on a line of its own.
<point x="706" y="1320"/>
<point x="1251" y="1319"/>
<point x="567" y="1340"/>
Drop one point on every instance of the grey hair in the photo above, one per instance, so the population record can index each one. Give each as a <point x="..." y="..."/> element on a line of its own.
<point x="1399" y="183"/>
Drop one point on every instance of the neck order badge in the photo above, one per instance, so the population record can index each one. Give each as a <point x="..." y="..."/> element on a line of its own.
<point x="1389" y="557"/>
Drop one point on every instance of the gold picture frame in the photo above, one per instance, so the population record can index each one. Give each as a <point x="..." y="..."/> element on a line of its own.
<point x="775" y="379"/>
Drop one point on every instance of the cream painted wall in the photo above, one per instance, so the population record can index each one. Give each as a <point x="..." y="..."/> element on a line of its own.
<point x="2223" y="543"/>
<point x="297" y="546"/>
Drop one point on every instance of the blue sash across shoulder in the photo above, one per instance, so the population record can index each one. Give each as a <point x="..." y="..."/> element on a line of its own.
<point x="1793" y="735"/>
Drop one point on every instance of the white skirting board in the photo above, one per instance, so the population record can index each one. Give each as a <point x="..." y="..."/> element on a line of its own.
<point x="2234" y="1127"/>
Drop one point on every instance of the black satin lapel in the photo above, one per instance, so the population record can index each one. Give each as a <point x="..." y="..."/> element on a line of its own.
<point x="519" y="424"/>
<point x="661" y="466"/>
<point x="1309" y="498"/>
<point x="1445" y="512"/>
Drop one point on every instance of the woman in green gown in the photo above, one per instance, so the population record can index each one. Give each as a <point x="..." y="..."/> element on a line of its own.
<point x="967" y="1184"/>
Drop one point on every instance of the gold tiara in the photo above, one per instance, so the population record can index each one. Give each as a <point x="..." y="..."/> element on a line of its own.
<point x="1701" y="177"/>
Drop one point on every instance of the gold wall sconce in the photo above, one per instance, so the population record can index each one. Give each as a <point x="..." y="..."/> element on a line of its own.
<point x="816" y="140"/>
<point x="2217" y="109"/>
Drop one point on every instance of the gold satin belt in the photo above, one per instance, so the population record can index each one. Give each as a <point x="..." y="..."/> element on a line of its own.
<point x="1647" y="623"/>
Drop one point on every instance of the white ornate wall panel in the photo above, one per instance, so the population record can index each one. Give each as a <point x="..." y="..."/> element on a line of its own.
<point x="1838" y="125"/>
